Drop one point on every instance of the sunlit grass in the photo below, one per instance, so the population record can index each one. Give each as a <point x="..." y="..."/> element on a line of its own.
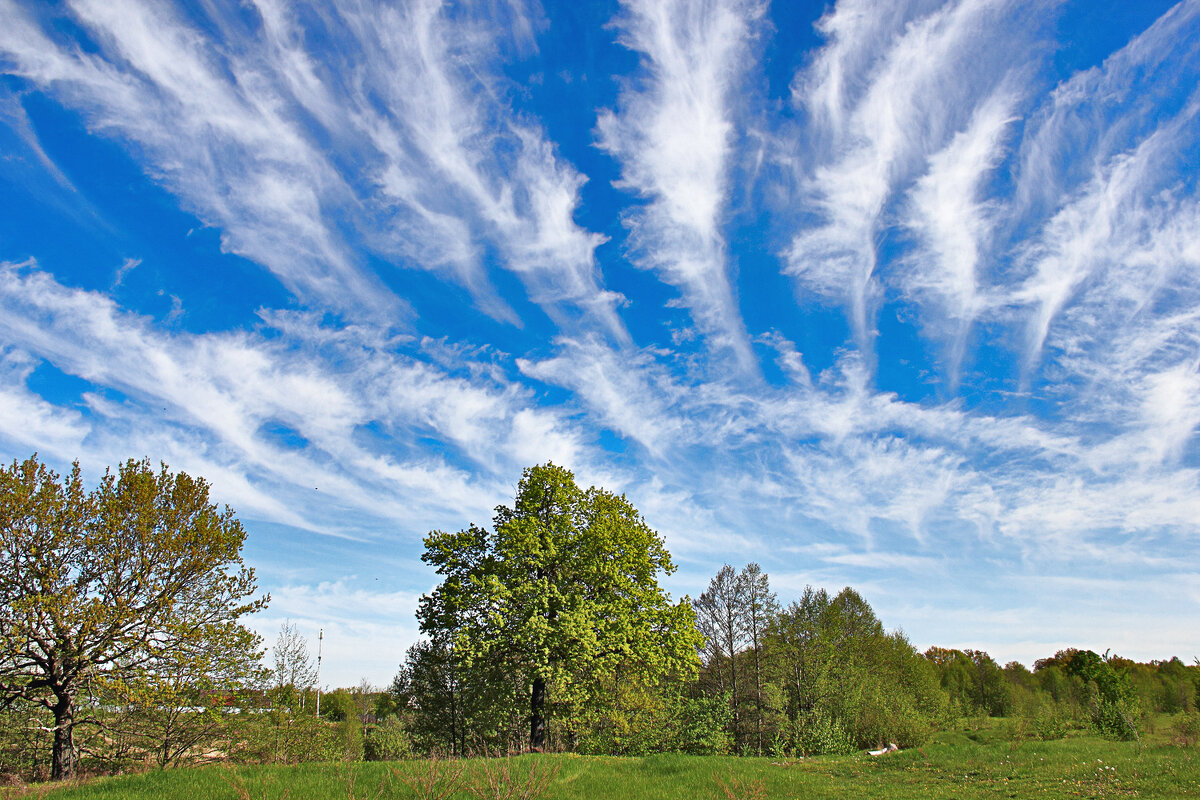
<point x="970" y="763"/>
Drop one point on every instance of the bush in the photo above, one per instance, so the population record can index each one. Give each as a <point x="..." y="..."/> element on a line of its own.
<point x="279" y="737"/>
<point x="387" y="741"/>
<point x="648" y="720"/>
<point x="1052" y="720"/>
<point x="1187" y="729"/>
<point x="1115" y="719"/>
<point x="338" y="706"/>
<point x="23" y="754"/>
<point x="703" y="726"/>
<point x="818" y="734"/>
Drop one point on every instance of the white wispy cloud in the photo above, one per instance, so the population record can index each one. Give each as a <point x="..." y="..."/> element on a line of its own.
<point x="624" y="391"/>
<point x="444" y="171"/>
<point x="884" y="94"/>
<point x="33" y="423"/>
<point x="1097" y="231"/>
<point x="953" y="225"/>
<point x="455" y="160"/>
<point x="209" y="403"/>
<point x="226" y="147"/>
<point x="674" y="132"/>
<point x="1101" y="112"/>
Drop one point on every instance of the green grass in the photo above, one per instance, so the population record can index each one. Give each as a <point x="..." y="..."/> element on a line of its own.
<point x="965" y="764"/>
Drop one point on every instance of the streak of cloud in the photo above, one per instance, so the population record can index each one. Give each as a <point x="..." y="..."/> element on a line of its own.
<point x="673" y="134"/>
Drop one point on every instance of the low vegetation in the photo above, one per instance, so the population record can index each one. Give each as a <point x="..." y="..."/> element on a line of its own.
<point x="970" y="762"/>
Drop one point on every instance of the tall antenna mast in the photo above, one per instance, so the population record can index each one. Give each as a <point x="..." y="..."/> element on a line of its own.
<point x="320" y="641"/>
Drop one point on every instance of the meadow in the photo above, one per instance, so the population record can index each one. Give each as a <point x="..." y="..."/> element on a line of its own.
<point x="980" y="762"/>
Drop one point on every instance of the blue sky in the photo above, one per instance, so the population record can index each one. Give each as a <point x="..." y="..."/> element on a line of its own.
<point x="898" y="295"/>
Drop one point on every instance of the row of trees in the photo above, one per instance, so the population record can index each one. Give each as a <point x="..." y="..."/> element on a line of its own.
<point x="554" y="620"/>
<point x="1072" y="688"/>
<point x="819" y="675"/>
<point x="556" y="615"/>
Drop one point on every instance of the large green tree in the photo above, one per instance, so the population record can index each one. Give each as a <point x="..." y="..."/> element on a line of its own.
<point x="115" y="587"/>
<point x="562" y="595"/>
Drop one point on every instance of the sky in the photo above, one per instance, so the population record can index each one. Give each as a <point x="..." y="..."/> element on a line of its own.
<point x="899" y="295"/>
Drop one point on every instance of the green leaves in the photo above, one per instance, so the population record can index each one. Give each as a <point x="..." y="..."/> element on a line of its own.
<point x="137" y="586"/>
<point x="562" y="591"/>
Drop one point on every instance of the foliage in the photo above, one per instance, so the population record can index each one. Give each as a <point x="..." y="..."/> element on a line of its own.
<point x="558" y="599"/>
<point x="386" y="741"/>
<point x="281" y="736"/>
<point x="833" y="666"/>
<point x="703" y="726"/>
<point x="722" y="619"/>
<point x="1186" y="729"/>
<point x="1107" y="693"/>
<point x="733" y="615"/>
<point x="22" y="753"/>
<point x="339" y="706"/>
<point x="818" y="734"/>
<point x="974" y="681"/>
<point x="121" y="589"/>
<point x="640" y="719"/>
<point x="180" y="707"/>
<point x="451" y="713"/>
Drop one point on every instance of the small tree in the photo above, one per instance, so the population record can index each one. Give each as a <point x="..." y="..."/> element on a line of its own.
<point x="721" y="618"/>
<point x="761" y="608"/>
<point x="107" y="586"/>
<point x="294" y="673"/>
<point x="179" y="705"/>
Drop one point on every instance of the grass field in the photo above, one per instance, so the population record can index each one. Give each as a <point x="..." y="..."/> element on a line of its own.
<point x="955" y="765"/>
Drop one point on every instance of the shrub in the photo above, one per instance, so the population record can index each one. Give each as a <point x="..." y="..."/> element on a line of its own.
<point x="387" y="741"/>
<point x="1115" y="719"/>
<point x="703" y="726"/>
<point x="818" y="734"/>
<point x="338" y="706"/>
<point x="280" y="737"/>
<point x="1187" y="729"/>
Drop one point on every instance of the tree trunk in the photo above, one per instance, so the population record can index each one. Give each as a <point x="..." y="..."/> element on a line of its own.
<point x="537" y="718"/>
<point x="62" y="764"/>
<point x="733" y="697"/>
<point x="758" y="705"/>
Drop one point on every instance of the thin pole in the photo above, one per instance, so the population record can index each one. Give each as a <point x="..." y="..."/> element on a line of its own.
<point x="320" y="641"/>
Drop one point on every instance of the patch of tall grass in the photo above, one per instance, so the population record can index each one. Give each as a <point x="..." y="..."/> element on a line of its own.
<point x="973" y="762"/>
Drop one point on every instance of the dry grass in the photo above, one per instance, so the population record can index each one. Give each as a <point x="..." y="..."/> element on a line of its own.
<point x="432" y="778"/>
<point x="243" y="791"/>
<point x="739" y="788"/>
<point x="508" y="779"/>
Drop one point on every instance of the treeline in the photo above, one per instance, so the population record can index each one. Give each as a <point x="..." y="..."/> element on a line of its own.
<point x="550" y="631"/>
<point x="820" y="675"/>
<point x="1071" y="690"/>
